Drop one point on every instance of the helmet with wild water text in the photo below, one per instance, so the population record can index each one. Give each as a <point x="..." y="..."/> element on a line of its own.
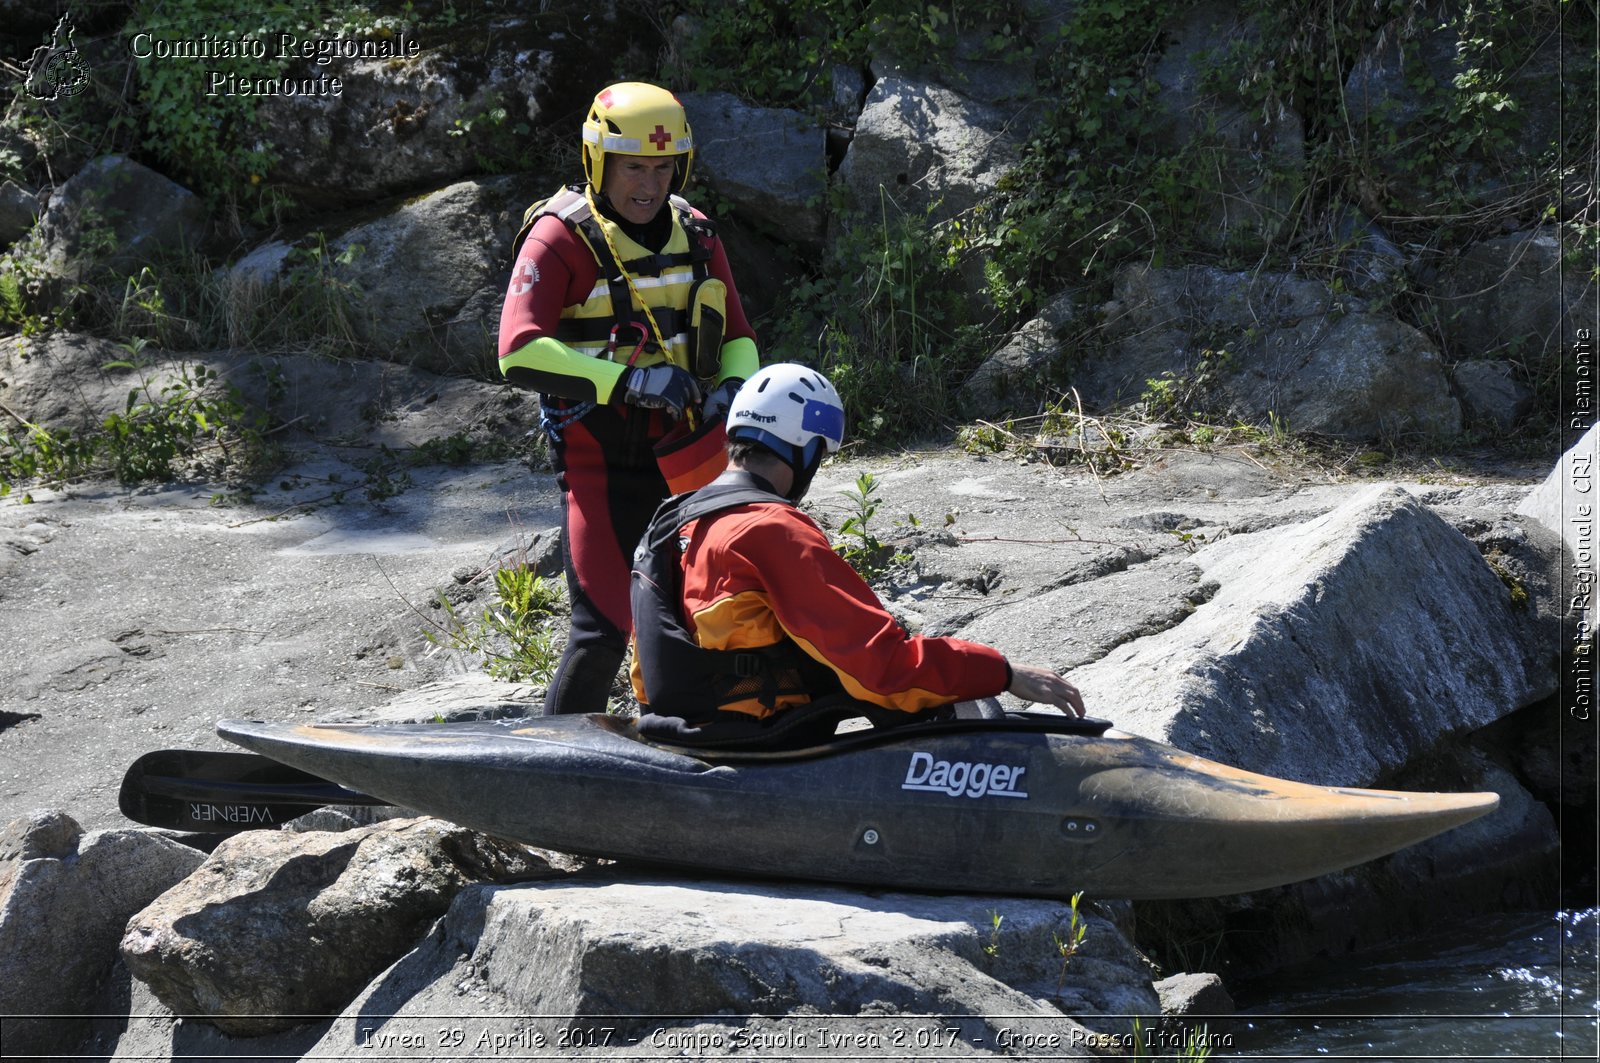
<point x="793" y="412"/>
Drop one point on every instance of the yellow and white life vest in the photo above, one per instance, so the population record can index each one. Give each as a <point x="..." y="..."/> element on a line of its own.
<point x="672" y="283"/>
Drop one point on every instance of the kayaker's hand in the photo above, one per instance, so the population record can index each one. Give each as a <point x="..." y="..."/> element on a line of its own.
<point x="1032" y="683"/>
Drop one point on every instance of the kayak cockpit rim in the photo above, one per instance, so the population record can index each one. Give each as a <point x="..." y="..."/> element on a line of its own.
<point x="1013" y="723"/>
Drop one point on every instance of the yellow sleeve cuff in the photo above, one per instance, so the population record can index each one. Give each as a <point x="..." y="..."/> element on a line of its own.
<point x="548" y="365"/>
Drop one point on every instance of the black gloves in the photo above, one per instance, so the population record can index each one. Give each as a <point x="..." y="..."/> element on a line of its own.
<point x="660" y="387"/>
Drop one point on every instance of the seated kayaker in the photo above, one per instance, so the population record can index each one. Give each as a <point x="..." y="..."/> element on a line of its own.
<point x="748" y="626"/>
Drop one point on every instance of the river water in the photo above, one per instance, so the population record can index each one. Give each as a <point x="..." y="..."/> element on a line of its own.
<point x="1521" y="986"/>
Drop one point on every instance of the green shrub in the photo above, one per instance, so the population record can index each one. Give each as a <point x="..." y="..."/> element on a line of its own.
<point x="887" y="320"/>
<point x="162" y="424"/>
<point x="783" y="52"/>
<point x="513" y="639"/>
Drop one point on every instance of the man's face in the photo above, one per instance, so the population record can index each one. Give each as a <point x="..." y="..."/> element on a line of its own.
<point x="637" y="185"/>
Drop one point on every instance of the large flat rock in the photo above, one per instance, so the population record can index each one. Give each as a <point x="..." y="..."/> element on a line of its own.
<point x="1333" y="651"/>
<point x="710" y="969"/>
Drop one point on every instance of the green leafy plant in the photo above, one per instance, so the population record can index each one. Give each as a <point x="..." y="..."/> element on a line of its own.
<point x="1193" y="1045"/>
<point x="1091" y="190"/>
<point x="785" y="52"/>
<point x="210" y="139"/>
<point x="1068" y="944"/>
<point x="991" y="948"/>
<point x="501" y="144"/>
<point x="513" y="638"/>
<point x="162" y="422"/>
<point x="886" y="320"/>
<point x="36" y="453"/>
<point x="32" y="301"/>
<point x="16" y="311"/>
<point x="859" y="543"/>
<point x="1182" y="396"/>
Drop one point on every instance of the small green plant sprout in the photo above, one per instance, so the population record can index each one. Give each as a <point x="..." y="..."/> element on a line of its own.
<point x="1278" y="428"/>
<point x="859" y="543"/>
<point x="1197" y="1045"/>
<point x="1067" y="946"/>
<point x="1193" y="1044"/>
<point x="992" y="948"/>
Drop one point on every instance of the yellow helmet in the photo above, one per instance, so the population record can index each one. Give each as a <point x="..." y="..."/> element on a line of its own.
<point x="632" y="118"/>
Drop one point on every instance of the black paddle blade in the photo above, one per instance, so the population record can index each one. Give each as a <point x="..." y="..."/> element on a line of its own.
<point x="223" y="793"/>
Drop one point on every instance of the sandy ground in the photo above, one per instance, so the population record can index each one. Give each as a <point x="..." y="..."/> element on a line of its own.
<point x="135" y="620"/>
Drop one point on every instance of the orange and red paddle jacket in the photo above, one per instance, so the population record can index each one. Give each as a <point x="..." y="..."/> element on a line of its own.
<point x="759" y="575"/>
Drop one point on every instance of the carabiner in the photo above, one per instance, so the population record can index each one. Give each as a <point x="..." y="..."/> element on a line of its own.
<point x="644" y="341"/>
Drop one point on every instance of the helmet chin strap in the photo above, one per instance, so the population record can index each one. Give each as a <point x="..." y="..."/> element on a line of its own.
<point x="804" y="470"/>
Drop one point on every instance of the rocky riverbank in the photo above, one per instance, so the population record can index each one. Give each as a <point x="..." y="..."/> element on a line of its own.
<point x="1282" y="617"/>
<point x="280" y="346"/>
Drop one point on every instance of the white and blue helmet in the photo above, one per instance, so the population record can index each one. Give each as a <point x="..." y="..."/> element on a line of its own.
<point x="792" y="411"/>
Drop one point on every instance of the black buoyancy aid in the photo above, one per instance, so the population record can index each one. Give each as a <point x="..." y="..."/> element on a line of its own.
<point x="571" y="205"/>
<point x="682" y="678"/>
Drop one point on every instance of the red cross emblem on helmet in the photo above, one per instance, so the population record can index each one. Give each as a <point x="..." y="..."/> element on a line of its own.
<point x="661" y="138"/>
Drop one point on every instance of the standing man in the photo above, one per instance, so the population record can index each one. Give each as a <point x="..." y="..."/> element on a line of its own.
<point x="746" y="620"/>
<point x="623" y="313"/>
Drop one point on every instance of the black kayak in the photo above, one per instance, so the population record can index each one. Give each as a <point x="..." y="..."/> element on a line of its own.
<point x="1031" y="804"/>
